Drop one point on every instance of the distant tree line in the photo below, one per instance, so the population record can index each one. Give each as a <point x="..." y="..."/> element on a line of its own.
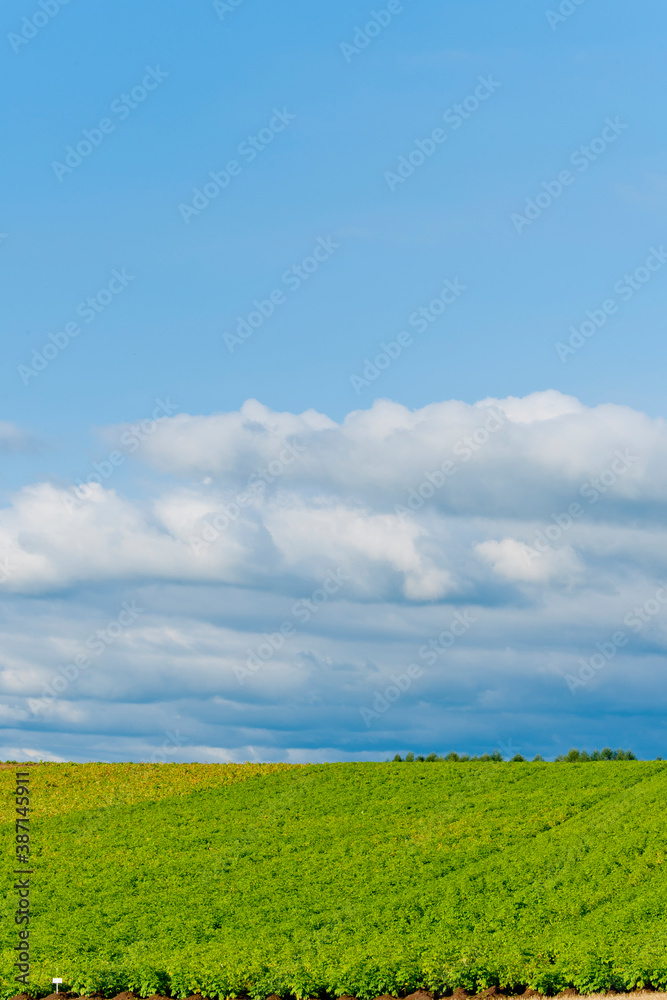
<point x="604" y="754"/>
<point x="573" y="756"/>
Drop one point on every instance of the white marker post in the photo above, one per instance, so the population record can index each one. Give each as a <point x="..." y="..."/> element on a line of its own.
<point x="57" y="984"/>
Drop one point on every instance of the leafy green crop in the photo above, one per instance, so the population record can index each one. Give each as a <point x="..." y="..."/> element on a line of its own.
<point x="343" y="878"/>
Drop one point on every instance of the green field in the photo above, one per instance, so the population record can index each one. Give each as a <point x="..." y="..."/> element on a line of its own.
<point x="341" y="878"/>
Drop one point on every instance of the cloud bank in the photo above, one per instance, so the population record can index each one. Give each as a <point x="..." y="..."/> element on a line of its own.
<point x="289" y="571"/>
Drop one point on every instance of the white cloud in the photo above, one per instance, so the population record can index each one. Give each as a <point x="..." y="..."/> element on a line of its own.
<point x="28" y="754"/>
<point x="537" y="407"/>
<point x="547" y="446"/>
<point x="302" y="492"/>
<point x="514" y="560"/>
<point x="259" y="507"/>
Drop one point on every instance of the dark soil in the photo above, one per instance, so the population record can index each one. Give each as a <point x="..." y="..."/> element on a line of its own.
<point x="460" y="994"/>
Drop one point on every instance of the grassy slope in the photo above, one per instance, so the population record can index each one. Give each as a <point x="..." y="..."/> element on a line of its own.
<point x="354" y="878"/>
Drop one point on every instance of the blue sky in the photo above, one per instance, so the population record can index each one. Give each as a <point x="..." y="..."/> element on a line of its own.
<point x="579" y="92"/>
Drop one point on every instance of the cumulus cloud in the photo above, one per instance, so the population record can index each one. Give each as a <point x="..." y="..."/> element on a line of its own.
<point x="538" y="521"/>
<point x="395" y="496"/>
<point x="510" y="457"/>
<point x="515" y="560"/>
<point x="50" y="545"/>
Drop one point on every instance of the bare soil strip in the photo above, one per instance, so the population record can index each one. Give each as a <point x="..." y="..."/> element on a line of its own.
<point x="458" y="994"/>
